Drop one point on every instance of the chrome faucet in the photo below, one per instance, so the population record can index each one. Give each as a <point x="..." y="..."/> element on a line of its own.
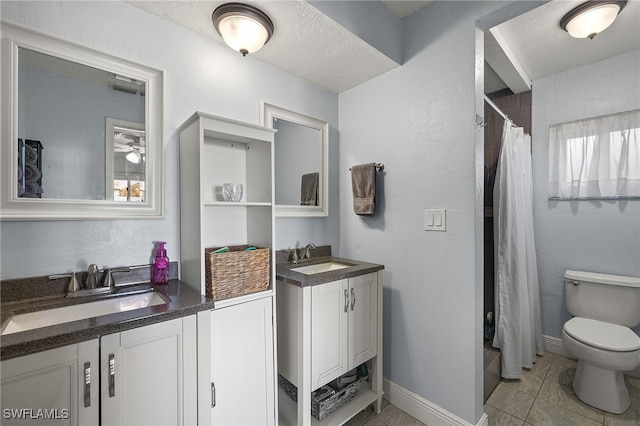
<point x="109" y="282"/>
<point x="73" y="285"/>
<point x="305" y="253"/>
<point x="91" y="287"/>
<point x="92" y="277"/>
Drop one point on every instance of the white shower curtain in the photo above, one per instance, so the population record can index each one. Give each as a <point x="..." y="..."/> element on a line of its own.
<point x="518" y="332"/>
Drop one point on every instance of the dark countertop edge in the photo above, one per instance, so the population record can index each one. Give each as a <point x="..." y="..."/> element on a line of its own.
<point x="284" y="272"/>
<point x="185" y="301"/>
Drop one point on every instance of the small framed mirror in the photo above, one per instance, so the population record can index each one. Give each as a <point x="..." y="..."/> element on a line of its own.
<point x="301" y="162"/>
<point x="81" y="132"/>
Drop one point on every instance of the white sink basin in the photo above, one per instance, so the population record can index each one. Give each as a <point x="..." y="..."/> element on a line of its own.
<point x="47" y="317"/>
<point x="319" y="268"/>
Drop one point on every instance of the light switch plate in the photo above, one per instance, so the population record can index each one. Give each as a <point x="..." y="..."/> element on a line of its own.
<point x="435" y="220"/>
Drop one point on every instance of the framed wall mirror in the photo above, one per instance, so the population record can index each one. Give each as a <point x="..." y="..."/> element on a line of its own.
<point x="301" y="157"/>
<point x="81" y="132"/>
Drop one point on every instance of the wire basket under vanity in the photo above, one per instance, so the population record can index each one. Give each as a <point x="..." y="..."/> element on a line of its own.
<point x="323" y="408"/>
<point x="236" y="272"/>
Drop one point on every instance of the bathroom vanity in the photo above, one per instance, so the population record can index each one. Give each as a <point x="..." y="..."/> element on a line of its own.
<point x="329" y="322"/>
<point x="126" y="368"/>
<point x="138" y="376"/>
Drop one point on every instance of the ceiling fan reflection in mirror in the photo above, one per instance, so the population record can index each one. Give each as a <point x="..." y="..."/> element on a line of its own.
<point x="131" y="142"/>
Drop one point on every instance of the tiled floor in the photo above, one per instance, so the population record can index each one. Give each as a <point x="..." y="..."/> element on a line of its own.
<point x="390" y="415"/>
<point x="543" y="397"/>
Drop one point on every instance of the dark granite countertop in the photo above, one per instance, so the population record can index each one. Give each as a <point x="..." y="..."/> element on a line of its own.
<point x="285" y="273"/>
<point x="184" y="301"/>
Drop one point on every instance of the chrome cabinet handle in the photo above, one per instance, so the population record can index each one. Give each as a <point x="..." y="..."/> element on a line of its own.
<point x="112" y="375"/>
<point x="353" y="298"/>
<point x="213" y="395"/>
<point x="87" y="384"/>
<point x="346" y="300"/>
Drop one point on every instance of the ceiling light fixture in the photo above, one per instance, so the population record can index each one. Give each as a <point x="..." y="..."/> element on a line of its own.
<point x="244" y="28"/>
<point x="591" y="18"/>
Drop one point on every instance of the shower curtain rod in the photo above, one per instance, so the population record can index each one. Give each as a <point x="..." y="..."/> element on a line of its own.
<point x="498" y="110"/>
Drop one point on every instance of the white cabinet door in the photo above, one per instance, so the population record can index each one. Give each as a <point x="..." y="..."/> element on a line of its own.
<point x="236" y="365"/>
<point x="363" y="319"/>
<point x="329" y="316"/>
<point x="147" y="375"/>
<point x="344" y="326"/>
<point x="49" y="387"/>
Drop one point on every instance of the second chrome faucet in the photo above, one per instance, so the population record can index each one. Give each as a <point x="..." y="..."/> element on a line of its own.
<point x="305" y="253"/>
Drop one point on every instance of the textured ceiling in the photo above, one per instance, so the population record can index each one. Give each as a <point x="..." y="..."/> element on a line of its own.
<point x="539" y="48"/>
<point x="312" y="46"/>
<point x="306" y="43"/>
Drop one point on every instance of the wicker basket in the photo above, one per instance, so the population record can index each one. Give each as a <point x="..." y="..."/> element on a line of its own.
<point x="236" y="272"/>
<point x="321" y="409"/>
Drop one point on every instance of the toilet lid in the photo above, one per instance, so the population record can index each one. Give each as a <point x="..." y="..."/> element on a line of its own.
<point x="603" y="335"/>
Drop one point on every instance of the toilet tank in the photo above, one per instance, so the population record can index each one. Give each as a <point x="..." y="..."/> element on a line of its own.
<point x="604" y="297"/>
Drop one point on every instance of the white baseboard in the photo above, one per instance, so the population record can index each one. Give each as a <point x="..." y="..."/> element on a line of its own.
<point x="425" y="411"/>
<point x="555" y="345"/>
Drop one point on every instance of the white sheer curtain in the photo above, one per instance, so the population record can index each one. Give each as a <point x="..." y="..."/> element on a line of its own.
<point x="518" y="330"/>
<point x="595" y="158"/>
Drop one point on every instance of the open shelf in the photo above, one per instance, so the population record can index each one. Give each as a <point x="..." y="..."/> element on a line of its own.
<point x="288" y="408"/>
<point x="214" y="151"/>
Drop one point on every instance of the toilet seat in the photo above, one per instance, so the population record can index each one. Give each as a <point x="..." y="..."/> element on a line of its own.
<point x="602" y="335"/>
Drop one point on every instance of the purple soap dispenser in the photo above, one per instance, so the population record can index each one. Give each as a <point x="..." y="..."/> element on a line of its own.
<point x="161" y="265"/>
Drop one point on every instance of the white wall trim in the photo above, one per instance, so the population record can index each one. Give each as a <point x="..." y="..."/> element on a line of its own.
<point x="555" y="345"/>
<point x="422" y="409"/>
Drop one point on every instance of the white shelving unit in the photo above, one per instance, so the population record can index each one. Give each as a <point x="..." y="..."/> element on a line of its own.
<point x="239" y="332"/>
<point x="213" y="151"/>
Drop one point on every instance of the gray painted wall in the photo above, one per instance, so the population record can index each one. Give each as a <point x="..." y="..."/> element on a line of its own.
<point x="200" y="74"/>
<point x="599" y="235"/>
<point x="419" y="120"/>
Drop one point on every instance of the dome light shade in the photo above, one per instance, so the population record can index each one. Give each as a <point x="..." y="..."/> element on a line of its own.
<point x="591" y="18"/>
<point x="244" y="28"/>
<point x="133" y="157"/>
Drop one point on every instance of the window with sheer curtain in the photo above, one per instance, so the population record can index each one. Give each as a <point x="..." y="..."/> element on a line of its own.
<point x="595" y="158"/>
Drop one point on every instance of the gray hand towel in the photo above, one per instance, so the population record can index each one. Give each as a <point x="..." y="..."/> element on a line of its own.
<point x="309" y="189"/>
<point x="363" y="184"/>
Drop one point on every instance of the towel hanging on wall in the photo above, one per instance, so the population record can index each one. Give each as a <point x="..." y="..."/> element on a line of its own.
<point x="363" y="185"/>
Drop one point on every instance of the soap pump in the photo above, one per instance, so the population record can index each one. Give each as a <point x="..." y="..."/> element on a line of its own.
<point x="161" y="265"/>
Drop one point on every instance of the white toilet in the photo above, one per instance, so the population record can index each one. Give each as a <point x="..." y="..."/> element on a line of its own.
<point x="599" y="336"/>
